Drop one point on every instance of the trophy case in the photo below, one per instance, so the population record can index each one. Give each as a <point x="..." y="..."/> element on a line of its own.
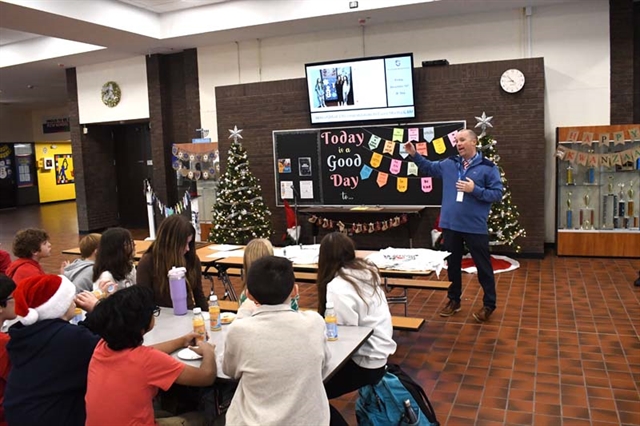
<point x="598" y="195"/>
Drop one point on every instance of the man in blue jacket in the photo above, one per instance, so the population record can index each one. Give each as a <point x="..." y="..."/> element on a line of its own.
<point x="470" y="184"/>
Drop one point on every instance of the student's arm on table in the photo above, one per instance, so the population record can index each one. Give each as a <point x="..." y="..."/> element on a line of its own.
<point x="204" y="375"/>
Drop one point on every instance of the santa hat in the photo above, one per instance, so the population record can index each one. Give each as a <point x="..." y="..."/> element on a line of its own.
<point x="43" y="297"/>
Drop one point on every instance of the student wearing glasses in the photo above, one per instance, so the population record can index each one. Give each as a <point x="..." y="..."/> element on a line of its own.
<point x="124" y="376"/>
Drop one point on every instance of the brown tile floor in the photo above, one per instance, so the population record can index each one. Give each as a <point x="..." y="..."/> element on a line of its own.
<point x="562" y="348"/>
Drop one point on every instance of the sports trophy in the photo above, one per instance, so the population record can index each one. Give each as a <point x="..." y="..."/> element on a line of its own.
<point x="586" y="213"/>
<point x="569" y="212"/>
<point x="631" y="211"/>
<point x="570" y="180"/>
<point x="591" y="173"/>
<point x="609" y="206"/>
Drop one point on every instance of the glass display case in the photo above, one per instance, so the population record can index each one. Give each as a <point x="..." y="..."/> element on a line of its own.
<point x="598" y="196"/>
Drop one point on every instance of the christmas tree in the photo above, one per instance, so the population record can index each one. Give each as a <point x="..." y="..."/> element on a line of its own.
<point x="503" y="223"/>
<point x="240" y="213"/>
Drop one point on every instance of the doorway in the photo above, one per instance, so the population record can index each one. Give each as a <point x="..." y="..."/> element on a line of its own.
<point x="132" y="144"/>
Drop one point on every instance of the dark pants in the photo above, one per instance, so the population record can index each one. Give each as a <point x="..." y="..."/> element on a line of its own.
<point x="478" y="245"/>
<point x="349" y="378"/>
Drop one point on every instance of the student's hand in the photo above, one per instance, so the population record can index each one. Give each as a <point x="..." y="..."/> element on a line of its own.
<point x="465" y="185"/>
<point x="86" y="300"/>
<point x="188" y="339"/>
<point x="104" y="285"/>
<point x="65" y="263"/>
<point x="204" y="348"/>
<point x="410" y="148"/>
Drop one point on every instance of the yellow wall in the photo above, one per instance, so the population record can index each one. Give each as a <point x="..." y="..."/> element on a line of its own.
<point x="48" y="187"/>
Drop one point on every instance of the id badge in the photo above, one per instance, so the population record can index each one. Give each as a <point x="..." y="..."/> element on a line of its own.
<point x="460" y="196"/>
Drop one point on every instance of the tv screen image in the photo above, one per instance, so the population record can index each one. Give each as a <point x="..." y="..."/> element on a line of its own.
<point x="367" y="89"/>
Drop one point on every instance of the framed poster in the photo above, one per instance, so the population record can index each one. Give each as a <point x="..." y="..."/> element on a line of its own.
<point x="48" y="163"/>
<point x="64" y="168"/>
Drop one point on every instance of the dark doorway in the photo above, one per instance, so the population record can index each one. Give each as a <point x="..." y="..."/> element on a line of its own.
<point x="7" y="177"/>
<point x="133" y="164"/>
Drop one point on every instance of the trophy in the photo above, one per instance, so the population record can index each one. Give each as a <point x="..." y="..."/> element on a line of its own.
<point x="609" y="206"/>
<point x="610" y="185"/>
<point x="621" y="203"/>
<point x="586" y="213"/>
<point x="570" y="180"/>
<point x="591" y="173"/>
<point x="569" y="212"/>
<point x="633" y="220"/>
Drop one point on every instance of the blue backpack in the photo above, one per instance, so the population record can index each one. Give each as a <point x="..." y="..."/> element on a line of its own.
<point x="383" y="404"/>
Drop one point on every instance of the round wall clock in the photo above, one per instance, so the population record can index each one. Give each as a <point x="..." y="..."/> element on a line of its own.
<point x="111" y="94"/>
<point x="512" y="80"/>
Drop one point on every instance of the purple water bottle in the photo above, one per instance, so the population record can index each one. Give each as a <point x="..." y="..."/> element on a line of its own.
<point x="178" y="290"/>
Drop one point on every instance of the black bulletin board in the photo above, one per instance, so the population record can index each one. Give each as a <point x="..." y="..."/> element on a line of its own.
<point x="359" y="165"/>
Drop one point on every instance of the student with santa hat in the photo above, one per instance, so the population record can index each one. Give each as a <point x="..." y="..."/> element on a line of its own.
<point x="7" y="312"/>
<point x="49" y="356"/>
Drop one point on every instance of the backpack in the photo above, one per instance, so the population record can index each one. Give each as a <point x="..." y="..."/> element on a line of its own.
<point x="416" y="392"/>
<point x="383" y="404"/>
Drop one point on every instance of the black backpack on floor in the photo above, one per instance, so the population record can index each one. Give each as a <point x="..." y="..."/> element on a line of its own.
<point x="416" y="392"/>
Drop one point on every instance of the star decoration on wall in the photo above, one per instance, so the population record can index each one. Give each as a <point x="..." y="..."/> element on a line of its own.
<point x="235" y="133"/>
<point x="483" y="123"/>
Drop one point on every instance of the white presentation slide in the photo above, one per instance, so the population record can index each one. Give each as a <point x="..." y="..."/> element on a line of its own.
<point x="399" y="81"/>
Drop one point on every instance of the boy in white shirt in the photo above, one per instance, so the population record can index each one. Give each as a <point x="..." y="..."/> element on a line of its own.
<point x="278" y="354"/>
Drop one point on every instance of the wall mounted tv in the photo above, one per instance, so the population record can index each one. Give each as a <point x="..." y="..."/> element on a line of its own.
<point x="361" y="90"/>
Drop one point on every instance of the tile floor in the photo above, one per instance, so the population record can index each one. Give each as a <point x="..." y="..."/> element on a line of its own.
<point x="562" y="348"/>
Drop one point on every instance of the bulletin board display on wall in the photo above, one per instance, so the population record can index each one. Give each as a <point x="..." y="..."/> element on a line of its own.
<point x="366" y="165"/>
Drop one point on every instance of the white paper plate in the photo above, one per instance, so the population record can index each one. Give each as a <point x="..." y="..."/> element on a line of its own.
<point x="188" y="355"/>
<point x="227" y="317"/>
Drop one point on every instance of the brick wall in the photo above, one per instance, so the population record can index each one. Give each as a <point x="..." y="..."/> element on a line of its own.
<point x="445" y="93"/>
<point x="94" y="172"/>
<point x="621" y="39"/>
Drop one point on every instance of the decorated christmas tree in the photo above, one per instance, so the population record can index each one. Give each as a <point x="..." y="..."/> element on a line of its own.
<point x="240" y="213"/>
<point x="503" y="223"/>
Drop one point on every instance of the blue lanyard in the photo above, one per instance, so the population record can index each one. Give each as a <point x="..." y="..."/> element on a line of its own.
<point x="461" y="172"/>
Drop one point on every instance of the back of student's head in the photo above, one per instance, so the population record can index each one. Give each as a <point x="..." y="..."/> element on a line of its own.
<point x="257" y="248"/>
<point x="123" y="318"/>
<point x="336" y="250"/>
<point x="270" y="280"/>
<point x="7" y="285"/>
<point x="28" y="241"/>
<point x="89" y="244"/>
<point x="115" y="254"/>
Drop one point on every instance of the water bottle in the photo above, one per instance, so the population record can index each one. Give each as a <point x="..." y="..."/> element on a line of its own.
<point x="409" y="415"/>
<point x="332" y="322"/>
<point x="77" y="316"/>
<point x="178" y="290"/>
<point x="214" y="313"/>
<point x="198" y="326"/>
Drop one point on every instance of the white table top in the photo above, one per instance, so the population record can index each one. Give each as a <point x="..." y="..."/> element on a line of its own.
<point x="169" y="326"/>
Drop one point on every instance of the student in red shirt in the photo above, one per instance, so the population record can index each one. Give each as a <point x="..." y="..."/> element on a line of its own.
<point x="29" y="246"/>
<point x="7" y="312"/>
<point x="5" y="261"/>
<point x="124" y="376"/>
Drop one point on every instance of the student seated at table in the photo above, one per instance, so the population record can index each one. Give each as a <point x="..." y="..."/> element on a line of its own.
<point x="29" y="246"/>
<point x="174" y="246"/>
<point x="277" y="354"/>
<point x="80" y="271"/>
<point x="353" y="285"/>
<point x="124" y="376"/>
<point x="114" y="261"/>
<point x="256" y="249"/>
<point x="7" y="312"/>
<point x="49" y="356"/>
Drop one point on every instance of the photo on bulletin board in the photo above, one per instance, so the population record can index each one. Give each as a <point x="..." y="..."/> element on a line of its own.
<point x="64" y="169"/>
<point x="304" y="166"/>
<point x="284" y="165"/>
<point x="48" y="163"/>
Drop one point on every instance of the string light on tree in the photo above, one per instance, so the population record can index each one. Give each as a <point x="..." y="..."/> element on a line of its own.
<point x="503" y="223"/>
<point x="240" y="213"/>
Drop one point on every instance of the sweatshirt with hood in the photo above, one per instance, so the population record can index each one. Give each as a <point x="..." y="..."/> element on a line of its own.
<point x="22" y="268"/>
<point x="80" y="273"/>
<point x="48" y="379"/>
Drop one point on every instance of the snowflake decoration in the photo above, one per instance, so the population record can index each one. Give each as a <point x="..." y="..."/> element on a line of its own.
<point x="484" y="122"/>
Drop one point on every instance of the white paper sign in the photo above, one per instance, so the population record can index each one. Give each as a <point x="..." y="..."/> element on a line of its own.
<point x="306" y="189"/>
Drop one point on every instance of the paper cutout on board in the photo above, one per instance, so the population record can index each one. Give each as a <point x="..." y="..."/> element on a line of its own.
<point x="428" y="134"/>
<point x="389" y="147"/>
<point x="376" y="158"/>
<point x="382" y="179"/>
<point x="286" y="189"/>
<point x="618" y="138"/>
<point x="634" y="134"/>
<point x="402" y="151"/>
<point x="604" y="139"/>
<point x="414" y="134"/>
<point x="402" y="184"/>
<point x="374" y="141"/>
<point x="395" y="166"/>
<point x="306" y="189"/>
<point x="452" y="138"/>
<point x="365" y="172"/>
<point x="587" y="138"/>
<point x="398" y="134"/>
<point x="439" y="146"/>
<point x="412" y="169"/>
<point x="426" y="183"/>
<point x="422" y="148"/>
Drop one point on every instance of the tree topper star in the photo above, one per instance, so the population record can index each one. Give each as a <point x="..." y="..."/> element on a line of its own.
<point x="235" y="133"/>
<point x="484" y="122"/>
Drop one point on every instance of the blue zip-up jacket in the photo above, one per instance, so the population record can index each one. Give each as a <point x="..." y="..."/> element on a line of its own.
<point x="471" y="214"/>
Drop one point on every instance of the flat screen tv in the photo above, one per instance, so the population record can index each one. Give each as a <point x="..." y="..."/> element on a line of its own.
<point x="361" y="90"/>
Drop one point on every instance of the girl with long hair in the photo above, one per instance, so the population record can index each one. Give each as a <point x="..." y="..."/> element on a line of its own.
<point x="114" y="260"/>
<point x="174" y="246"/>
<point x="353" y="285"/>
